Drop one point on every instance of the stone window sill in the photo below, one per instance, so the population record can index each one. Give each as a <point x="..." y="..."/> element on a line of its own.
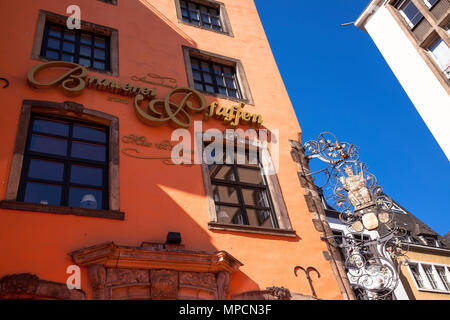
<point x="251" y="229"/>
<point x="24" y="206"/>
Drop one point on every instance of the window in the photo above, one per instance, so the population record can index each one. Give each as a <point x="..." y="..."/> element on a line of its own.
<point x="444" y="277"/>
<point x="430" y="3"/>
<point x="65" y="161"/>
<point x="416" y="274"/>
<point x="65" y="164"/>
<point x="85" y="48"/>
<point x="205" y="14"/>
<point x="200" y="15"/>
<point x="93" y="45"/>
<point x="241" y="195"/>
<point x="441" y="54"/>
<point x="212" y="77"/>
<point x="410" y="12"/>
<point x="430" y="276"/>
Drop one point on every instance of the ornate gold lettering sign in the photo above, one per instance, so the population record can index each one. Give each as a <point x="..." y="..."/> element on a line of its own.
<point x="158" y="111"/>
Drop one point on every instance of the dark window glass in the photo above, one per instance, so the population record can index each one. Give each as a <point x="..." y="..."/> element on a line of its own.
<point x="65" y="163"/>
<point x="43" y="193"/>
<point x="410" y="12"/>
<point x="48" y="145"/>
<point x="241" y="194"/>
<point x="215" y="78"/>
<point x="85" y="198"/>
<point x="78" y="46"/>
<point x="47" y="170"/>
<point x="86" y="175"/>
<point x="200" y="15"/>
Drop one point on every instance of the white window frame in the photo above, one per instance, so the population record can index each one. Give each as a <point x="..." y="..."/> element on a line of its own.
<point x="426" y="283"/>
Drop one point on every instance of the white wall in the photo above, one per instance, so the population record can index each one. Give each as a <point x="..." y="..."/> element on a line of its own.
<point x="421" y="85"/>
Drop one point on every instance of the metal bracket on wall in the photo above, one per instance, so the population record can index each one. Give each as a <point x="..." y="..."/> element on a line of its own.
<point x="308" y="277"/>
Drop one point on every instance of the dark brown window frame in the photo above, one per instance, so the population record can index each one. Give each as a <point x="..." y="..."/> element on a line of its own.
<point x="280" y="213"/>
<point x="224" y="20"/>
<point x="45" y="16"/>
<point x="75" y="111"/>
<point x="241" y="78"/>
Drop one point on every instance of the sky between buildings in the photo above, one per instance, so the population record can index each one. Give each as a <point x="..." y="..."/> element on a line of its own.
<point x="339" y="82"/>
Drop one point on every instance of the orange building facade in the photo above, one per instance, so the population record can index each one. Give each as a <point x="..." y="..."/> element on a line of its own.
<point x="87" y="180"/>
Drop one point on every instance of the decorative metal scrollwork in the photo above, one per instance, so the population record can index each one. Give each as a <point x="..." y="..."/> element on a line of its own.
<point x="373" y="265"/>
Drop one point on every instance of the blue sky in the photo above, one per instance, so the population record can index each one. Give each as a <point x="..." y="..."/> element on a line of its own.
<point x="338" y="81"/>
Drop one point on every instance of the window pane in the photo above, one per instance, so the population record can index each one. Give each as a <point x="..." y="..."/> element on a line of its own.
<point x="67" y="57"/>
<point x="417" y="276"/>
<point x="197" y="76"/>
<point x="52" y="54"/>
<point x="43" y="193"/>
<point x="85" y="51"/>
<point x="54" y="31"/>
<point x="69" y="35"/>
<point x="198" y="86"/>
<point x="88" y="133"/>
<point x="88" y="151"/>
<point x="194" y="64"/>
<point x="220" y="81"/>
<point x="85" y="62"/>
<point x="48" y="170"/>
<point x="205" y="66"/>
<point x="99" y="42"/>
<point x="68" y="46"/>
<point x="411" y="13"/>
<point x="99" y="65"/>
<point x="207" y="77"/>
<point x="255" y="198"/>
<point x="225" y="194"/>
<point x="52" y="127"/>
<point x="209" y="88"/>
<point x="53" y="43"/>
<point x="222" y="90"/>
<point x="430" y="276"/>
<point x="99" y="54"/>
<point x="226" y="214"/>
<point x="230" y="83"/>
<point x="86" y="175"/>
<point x="222" y="172"/>
<point x="441" y="52"/>
<point x="217" y="70"/>
<point x="250" y="176"/>
<point x="85" y="198"/>
<point x="232" y="93"/>
<point x="259" y="218"/>
<point x="86" y="39"/>
<point x="48" y="145"/>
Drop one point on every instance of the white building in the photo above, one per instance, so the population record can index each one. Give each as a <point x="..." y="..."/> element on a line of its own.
<point x="414" y="38"/>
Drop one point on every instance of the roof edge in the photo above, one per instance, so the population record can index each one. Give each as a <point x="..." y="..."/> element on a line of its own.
<point x="371" y="8"/>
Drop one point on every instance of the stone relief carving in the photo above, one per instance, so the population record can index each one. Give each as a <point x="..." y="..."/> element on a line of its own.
<point x="164" y="284"/>
<point x="223" y="285"/>
<point x="355" y="185"/>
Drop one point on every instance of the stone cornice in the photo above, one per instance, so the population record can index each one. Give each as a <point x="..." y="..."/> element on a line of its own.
<point x="111" y="255"/>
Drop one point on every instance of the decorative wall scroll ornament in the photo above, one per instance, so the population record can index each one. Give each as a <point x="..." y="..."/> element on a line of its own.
<point x="174" y="109"/>
<point x="142" y="142"/>
<point x="362" y="205"/>
<point x="308" y="276"/>
<point x="156" y="80"/>
<point x="124" y="101"/>
<point x="6" y="82"/>
<point x="160" y="112"/>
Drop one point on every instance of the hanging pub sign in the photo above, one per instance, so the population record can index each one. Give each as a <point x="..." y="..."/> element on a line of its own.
<point x="174" y="109"/>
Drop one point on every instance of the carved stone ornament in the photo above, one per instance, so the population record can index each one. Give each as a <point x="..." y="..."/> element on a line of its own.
<point x="29" y="286"/>
<point x="164" y="284"/>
